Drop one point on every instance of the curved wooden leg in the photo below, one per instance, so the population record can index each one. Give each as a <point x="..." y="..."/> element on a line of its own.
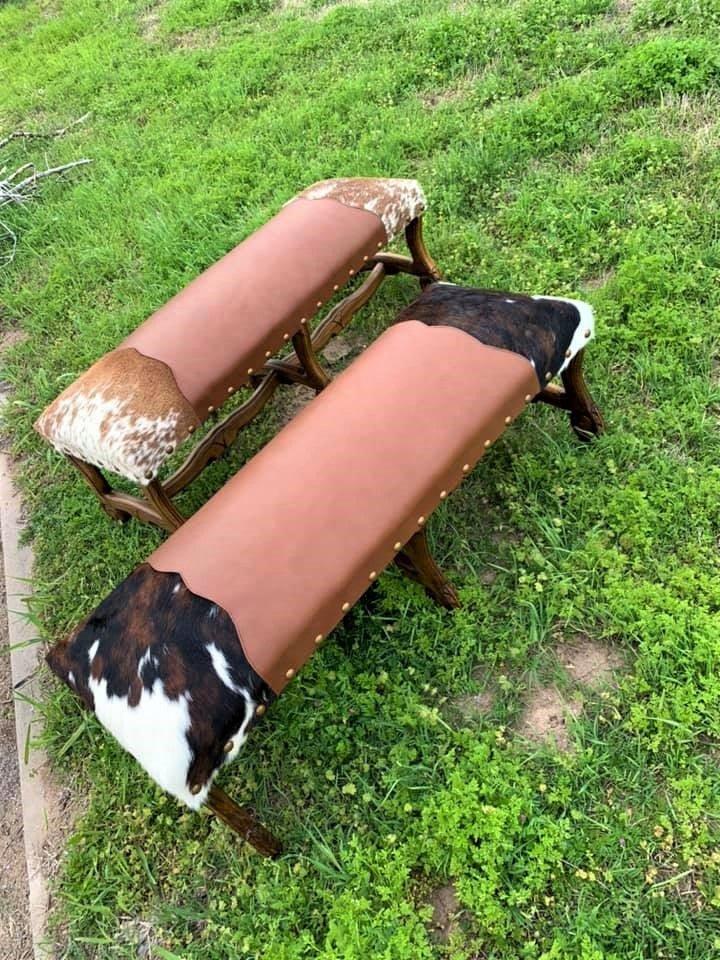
<point x="243" y="822"/>
<point x="168" y="516"/>
<point x="585" y="417"/>
<point x="316" y="376"/>
<point x="416" y="562"/>
<point x="430" y="273"/>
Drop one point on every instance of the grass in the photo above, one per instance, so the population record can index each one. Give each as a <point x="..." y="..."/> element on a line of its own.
<point x="566" y="146"/>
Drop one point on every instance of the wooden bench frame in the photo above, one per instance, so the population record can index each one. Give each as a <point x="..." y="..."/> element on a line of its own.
<point x="302" y="367"/>
<point x="416" y="561"/>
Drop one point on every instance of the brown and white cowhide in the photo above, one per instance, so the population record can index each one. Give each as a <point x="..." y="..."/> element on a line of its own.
<point x="396" y="202"/>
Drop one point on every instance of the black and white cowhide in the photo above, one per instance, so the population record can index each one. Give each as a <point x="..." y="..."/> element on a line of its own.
<point x="164" y="671"/>
<point x="549" y="331"/>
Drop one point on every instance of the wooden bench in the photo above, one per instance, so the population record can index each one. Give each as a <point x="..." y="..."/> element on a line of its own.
<point x="185" y="656"/>
<point x="133" y="408"/>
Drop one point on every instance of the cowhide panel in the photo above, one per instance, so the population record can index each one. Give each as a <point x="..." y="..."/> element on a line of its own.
<point x="124" y="414"/>
<point x="165" y="673"/>
<point x="549" y="331"/>
<point x="395" y="202"/>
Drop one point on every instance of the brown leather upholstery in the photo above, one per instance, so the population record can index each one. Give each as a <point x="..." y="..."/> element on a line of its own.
<point x="294" y="539"/>
<point x="222" y="325"/>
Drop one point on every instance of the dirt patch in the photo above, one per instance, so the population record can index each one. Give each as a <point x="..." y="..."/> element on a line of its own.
<point x="15" y="939"/>
<point x="150" y="21"/>
<point x="203" y="38"/>
<point x="341" y="347"/>
<point x="291" y="402"/>
<point x="446" y="913"/>
<point x="546" y="717"/>
<point x="588" y="662"/>
<point x="475" y="704"/>
<point x="595" y="283"/>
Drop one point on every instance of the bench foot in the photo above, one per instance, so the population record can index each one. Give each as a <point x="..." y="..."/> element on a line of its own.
<point x="243" y="822"/>
<point x="574" y="396"/>
<point x="416" y="562"/>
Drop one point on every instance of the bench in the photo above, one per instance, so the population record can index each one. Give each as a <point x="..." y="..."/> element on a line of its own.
<point x="139" y="403"/>
<point x="186" y="655"/>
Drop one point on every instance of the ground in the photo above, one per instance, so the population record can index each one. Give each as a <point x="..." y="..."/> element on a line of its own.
<point x="566" y="146"/>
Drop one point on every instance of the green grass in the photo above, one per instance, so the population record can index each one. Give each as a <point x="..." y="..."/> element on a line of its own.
<point x="566" y="146"/>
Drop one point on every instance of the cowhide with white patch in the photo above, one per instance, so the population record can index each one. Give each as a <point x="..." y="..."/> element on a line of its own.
<point x="165" y="673"/>
<point x="124" y="414"/>
<point x="549" y="331"/>
<point x="395" y="202"/>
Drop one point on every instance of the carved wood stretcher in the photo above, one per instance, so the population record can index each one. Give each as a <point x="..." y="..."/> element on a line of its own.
<point x="185" y="656"/>
<point x="134" y="407"/>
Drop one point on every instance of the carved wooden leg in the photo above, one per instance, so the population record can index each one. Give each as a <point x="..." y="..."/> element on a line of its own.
<point x="316" y="376"/>
<point x="243" y="822"/>
<point x="416" y="562"/>
<point x="585" y="417"/>
<point x="100" y="487"/>
<point x="421" y="257"/>
<point x="168" y="516"/>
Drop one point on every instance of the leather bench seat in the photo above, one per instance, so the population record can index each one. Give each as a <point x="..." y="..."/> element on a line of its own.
<point x="295" y="538"/>
<point x="138" y="403"/>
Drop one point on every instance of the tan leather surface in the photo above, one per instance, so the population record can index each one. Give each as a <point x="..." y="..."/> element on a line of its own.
<point x="297" y="532"/>
<point x="222" y="324"/>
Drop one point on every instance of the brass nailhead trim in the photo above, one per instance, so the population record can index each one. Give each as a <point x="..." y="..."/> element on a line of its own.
<point x="487" y="444"/>
<point x="365" y="259"/>
<point x="587" y="334"/>
<point x="260" y="709"/>
<point x="508" y="419"/>
<point x="336" y="286"/>
<point x="351" y="273"/>
<point x="231" y="389"/>
<point x="195" y="789"/>
<point x="346" y="607"/>
<point x="319" y="639"/>
<point x="290" y="673"/>
<point x="303" y="321"/>
<point x="210" y="409"/>
<point x="466" y="468"/>
<point x="443" y="494"/>
<point x="169" y="449"/>
<point x="149" y="475"/>
<point x="191" y="428"/>
<point x="380" y="246"/>
<point x="250" y="371"/>
<point x="319" y="303"/>
<point x="397" y="546"/>
<point x="228" y="746"/>
<point x="548" y="375"/>
<point x="372" y="575"/>
<point x="528" y="397"/>
<point x="568" y="353"/>
<point x="286" y="337"/>
<point x="268" y="354"/>
<point x="421" y="521"/>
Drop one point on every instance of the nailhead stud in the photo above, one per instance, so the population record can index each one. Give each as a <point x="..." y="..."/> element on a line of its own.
<point x="466" y="468"/>
<point x="210" y="409"/>
<point x="191" y="428"/>
<point x="508" y="419"/>
<point x="290" y="673"/>
<point x="286" y="337"/>
<point x="268" y="354"/>
<point x="169" y="449"/>
<point x="548" y="375"/>
<point x="487" y="444"/>
<point x="528" y="397"/>
<point x="379" y="246"/>
<point x="228" y="746"/>
<point x="345" y="607"/>
<point x="319" y="303"/>
<point x="336" y="286"/>
<point x="568" y="353"/>
<point x="260" y="709"/>
<point x="351" y="273"/>
<point x="397" y="546"/>
<point x="443" y="494"/>
<point x="149" y="475"/>
<point x="195" y="789"/>
<point x="303" y="321"/>
<point x="319" y="639"/>
<point x="421" y="521"/>
<point x="231" y="389"/>
<point x="365" y="259"/>
<point x="372" y="575"/>
<point x="250" y="371"/>
<point x="587" y="334"/>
